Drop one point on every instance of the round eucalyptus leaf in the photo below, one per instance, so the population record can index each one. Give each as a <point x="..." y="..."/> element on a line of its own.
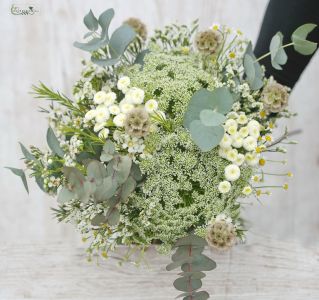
<point x="211" y="118"/>
<point x="185" y="285"/>
<point x="90" y="21"/>
<point x="65" y="195"/>
<point x="299" y="38"/>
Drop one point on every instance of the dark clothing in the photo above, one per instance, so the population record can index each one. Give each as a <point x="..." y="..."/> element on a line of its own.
<point x="286" y="16"/>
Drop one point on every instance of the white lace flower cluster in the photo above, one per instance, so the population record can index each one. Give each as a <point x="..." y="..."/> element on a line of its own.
<point x="71" y="147"/>
<point x="238" y="146"/>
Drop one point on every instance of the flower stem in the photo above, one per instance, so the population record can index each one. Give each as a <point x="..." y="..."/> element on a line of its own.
<point x="269" y="53"/>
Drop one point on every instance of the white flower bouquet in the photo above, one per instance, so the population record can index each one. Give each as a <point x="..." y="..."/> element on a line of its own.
<point x="161" y="139"/>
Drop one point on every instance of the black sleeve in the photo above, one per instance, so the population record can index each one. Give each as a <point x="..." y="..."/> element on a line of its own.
<point x="286" y="16"/>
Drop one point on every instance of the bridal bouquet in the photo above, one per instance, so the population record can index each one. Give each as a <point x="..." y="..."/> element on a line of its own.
<point x="162" y="138"/>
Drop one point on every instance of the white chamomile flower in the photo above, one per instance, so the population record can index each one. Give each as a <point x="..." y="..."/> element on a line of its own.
<point x="215" y="26"/>
<point x="232" y="172"/>
<point x="135" y="95"/>
<point x="98" y="127"/>
<point x="232" y="129"/>
<point x="253" y="123"/>
<point x="250" y="143"/>
<point x="151" y="105"/>
<point x="102" y="114"/>
<point x="103" y="134"/>
<point x="90" y="115"/>
<point x="125" y="106"/>
<point x="226" y="141"/>
<point x="242" y="119"/>
<point x="244" y="131"/>
<point x="240" y="159"/>
<point x="109" y="99"/>
<point x="237" y="140"/>
<point x="123" y="83"/>
<point x="224" y="187"/>
<point x="252" y="159"/>
<point x="232" y="155"/>
<point x="99" y="97"/>
<point x="119" y="120"/>
<point x="247" y="190"/>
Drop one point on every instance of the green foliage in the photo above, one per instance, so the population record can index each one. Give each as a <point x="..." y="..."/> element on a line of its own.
<point x="205" y="114"/>
<point x="253" y="70"/>
<point x="278" y="54"/>
<point x="189" y="256"/>
<point x="21" y="174"/>
<point x="53" y="143"/>
<point x="299" y="38"/>
<point x="26" y="153"/>
<point x="113" y="47"/>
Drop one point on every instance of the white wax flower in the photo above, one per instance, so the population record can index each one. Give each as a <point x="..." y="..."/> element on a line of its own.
<point x="224" y="187"/>
<point x="123" y="83"/>
<point x="151" y="105"/>
<point x="99" y="97"/>
<point x="114" y="109"/>
<point x="135" y="95"/>
<point x="119" y="120"/>
<point x="232" y="172"/>
<point x="250" y="143"/>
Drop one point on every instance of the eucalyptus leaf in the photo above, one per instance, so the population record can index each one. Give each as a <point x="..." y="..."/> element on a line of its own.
<point x="21" y="174"/>
<point x="65" y="195"/>
<point x="136" y="172"/>
<point x="202" y="295"/>
<point x="53" y="143"/>
<point x="120" y="39"/>
<point x="200" y="263"/>
<point x="186" y="252"/>
<point x="206" y="137"/>
<point x="106" y="190"/>
<point x="96" y="172"/>
<point x="108" y="151"/>
<point x="299" y="38"/>
<point x="211" y="118"/>
<point x="98" y="220"/>
<point x="127" y="188"/>
<point x="104" y="20"/>
<point x="113" y="217"/>
<point x="122" y="166"/>
<point x="278" y="54"/>
<point x="140" y="57"/>
<point x="195" y="275"/>
<point x="26" y="153"/>
<point x="184" y="284"/>
<point x="191" y="240"/>
<point x="93" y="45"/>
<point x="90" y="21"/>
<point x="40" y="182"/>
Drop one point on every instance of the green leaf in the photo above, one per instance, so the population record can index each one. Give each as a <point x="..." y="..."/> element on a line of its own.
<point x="122" y="166"/>
<point x="96" y="172"/>
<point x="98" y="220"/>
<point x="113" y="216"/>
<point x="53" y="143"/>
<point x="106" y="190"/>
<point x="40" y="182"/>
<point x="278" y="54"/>
<point x="104" y="20"/>
<point x="65" y="195"/>
<point x="26" y="153"/>
<point x="21" y="174"/>
<point x="194" y="275"/>
<point x="185" y="285"/>
<point x="211" y="118"/>
<point x="206" y="137"/>
<point x="90" y="46"/>
<point x="120" y="39"/>
<point x="136" y="172"/>
<point x="187" y="252"/>
<point x="191" y="240"/>
<point x="108" y="151"/>
<point x="127" y="188"/>
<point x="219" y="100"/>
<point x="200" y="263"/>
<point x="253" y="69"/>
<point x="299" y="38"/>
<point x="90" y="21"/>
<point x="140" y="57"/>
<point x="202" y="295"/>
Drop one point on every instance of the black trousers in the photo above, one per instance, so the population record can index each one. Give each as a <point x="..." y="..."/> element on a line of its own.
<point x="286" y="16"/>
